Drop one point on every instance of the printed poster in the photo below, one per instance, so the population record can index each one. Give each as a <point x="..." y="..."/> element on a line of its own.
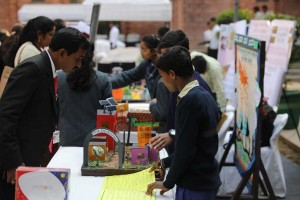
<point x="249" y="95"/>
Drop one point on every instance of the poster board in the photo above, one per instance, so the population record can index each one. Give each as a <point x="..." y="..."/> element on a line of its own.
<point x="249" y="66"/>
<point x="261" y="30"/>
<point x="226" y="55"/>
<point x="281" y="42"/>
<point x="278" y="36"/>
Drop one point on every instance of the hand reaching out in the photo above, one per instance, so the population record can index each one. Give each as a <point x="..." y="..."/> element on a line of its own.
<point x="156" y="185"/>
<point x="160" y="141"/>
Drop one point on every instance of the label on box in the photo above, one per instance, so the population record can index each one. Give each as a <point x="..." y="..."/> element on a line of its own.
<point x="35" y="183"/>
<point x="56" y="137"/>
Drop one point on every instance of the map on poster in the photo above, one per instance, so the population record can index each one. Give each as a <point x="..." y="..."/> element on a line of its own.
<point x="249" y="94"/>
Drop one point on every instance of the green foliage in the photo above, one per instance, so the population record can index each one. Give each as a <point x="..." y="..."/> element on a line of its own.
<point x="226" y="17"/>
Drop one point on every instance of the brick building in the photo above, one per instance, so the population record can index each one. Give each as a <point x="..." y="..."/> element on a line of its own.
<point x="189" y="15"/>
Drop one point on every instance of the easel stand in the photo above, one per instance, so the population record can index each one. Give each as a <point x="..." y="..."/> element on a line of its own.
<point x="257" y="171"/>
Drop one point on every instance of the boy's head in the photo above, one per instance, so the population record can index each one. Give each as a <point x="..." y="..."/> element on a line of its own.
<point x="173" y="38"/>
<point x="200" y="64"/>
<point x="68" y="46"/>
<point x="173" y="65"/>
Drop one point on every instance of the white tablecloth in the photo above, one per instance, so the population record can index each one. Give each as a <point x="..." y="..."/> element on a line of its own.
<point x="86" y="187"/>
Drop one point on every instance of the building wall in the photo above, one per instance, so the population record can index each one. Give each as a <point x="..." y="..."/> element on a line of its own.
<point x="142" y="28"/>
<point x="9" y="10"/>
<point x="191" y="15"/>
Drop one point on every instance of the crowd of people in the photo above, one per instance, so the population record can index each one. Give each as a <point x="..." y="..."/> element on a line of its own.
<point x="53" y="85"/>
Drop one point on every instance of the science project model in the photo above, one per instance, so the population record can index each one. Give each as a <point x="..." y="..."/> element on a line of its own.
<point x="104" y="154"/>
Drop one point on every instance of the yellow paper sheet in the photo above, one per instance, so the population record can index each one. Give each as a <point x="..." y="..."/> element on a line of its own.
<point x="127" y="187"/>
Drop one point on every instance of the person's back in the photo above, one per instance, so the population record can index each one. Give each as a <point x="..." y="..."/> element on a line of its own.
<point x="193" y="167"/>
<point x="212" y="72"/>
<point x="199" y="108"/>
<point x="28" y="105"/>
<point x="79" y="93"/>
<point x="113" y="35"/>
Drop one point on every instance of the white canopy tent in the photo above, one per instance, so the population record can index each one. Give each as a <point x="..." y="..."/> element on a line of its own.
<point x="133" y="10"/>
<point x="110" y="10"/>
<point x="67" y="12"/>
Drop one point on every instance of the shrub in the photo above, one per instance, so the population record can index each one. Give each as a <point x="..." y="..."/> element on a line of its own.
<point x="226" y="17"/>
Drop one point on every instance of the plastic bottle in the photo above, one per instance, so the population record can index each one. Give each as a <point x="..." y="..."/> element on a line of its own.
<point x="146" y="95"/>
<point x="117" y="93"/>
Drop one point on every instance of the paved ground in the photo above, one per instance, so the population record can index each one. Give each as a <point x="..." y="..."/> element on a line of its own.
<point x="289" y="146"/>
<point x="291" y="167"/>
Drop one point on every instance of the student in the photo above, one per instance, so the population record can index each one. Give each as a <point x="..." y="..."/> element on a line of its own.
<point x="79" y="94"/>
<point x="193" y="167"/>
<point x="28" y="107"/>
<point x="170" y="39"/>
<point x="147" y="70"/>
<point x="212" y="72"/>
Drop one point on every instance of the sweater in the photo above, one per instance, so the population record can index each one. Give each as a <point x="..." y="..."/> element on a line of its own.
<point x="78" y="110"/>
<point x="193" y="165"/>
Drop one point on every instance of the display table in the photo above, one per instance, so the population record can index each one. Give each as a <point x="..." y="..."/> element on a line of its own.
<point x="86" y="187"/>
<point x="119" y="57"/>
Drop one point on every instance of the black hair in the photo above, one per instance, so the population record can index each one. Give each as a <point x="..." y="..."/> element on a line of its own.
<point x="255" y="8"/>
<point x="69" y="39"/>
<point x="151" y="41"/>
<point x="162" y="31"/>
<point x="17" y="29"/>
<point x="173" y="38"/>
<point x="2" y="36"/>
<point x="265" y="8"/>
<point x="200" y="64"/>
<point x="59" y="24"/>
<point x="177" y="59"/>
<point x="30" y="31"/>
<point x="8" y="47"/>
<point x="82" y="78"/>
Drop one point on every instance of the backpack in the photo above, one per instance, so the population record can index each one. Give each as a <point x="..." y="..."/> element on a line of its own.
<point x="268" y="117"/>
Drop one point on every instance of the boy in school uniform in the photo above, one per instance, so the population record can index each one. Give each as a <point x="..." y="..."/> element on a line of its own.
<point x="193" y="167"/>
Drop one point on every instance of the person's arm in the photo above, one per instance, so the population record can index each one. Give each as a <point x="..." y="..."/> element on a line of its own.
<point x="21" y="85"/>
<point x="106" y="88"/>
<point x="129" y="76"/>
<point x="160" y="141"/>
<point x="185" y="143"/>
<point x="159" y="108"/>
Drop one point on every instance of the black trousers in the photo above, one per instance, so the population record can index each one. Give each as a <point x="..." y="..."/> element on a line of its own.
<point x="7" y="191"/>
<point x="213" y="53"/>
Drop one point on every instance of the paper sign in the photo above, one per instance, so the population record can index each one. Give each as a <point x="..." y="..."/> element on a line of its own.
<point x="127" y="187"/>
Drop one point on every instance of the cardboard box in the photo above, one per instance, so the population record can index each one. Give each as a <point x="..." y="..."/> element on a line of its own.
<point x="35" y="183"/>
<point x="153" y="157"/>
<point x="139" y="155"/>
